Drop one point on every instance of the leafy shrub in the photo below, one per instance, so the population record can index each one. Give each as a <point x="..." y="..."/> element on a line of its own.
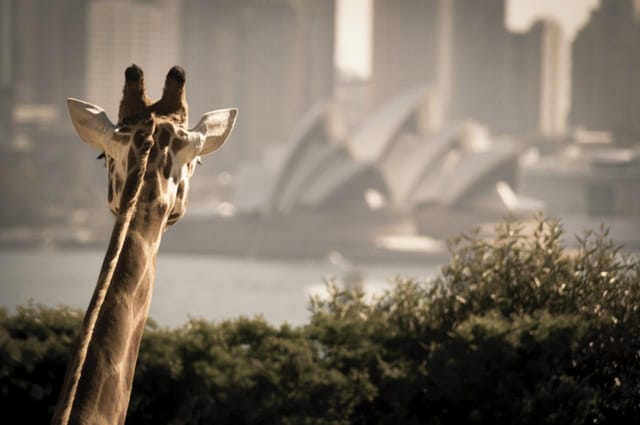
<point x="515" y="330"/>
<point x="34" y="348"/>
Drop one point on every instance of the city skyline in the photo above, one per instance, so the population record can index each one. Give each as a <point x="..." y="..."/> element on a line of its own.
<point x="454" y="95"/>
<point x="354" y="21"/>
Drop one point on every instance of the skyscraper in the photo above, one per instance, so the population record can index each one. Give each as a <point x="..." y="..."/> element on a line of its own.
<point x="540" y="91"/>
<point x="122" y="32"/>
<point x="554" y="78"/>
<point x="408" y="37"/>
<point x="271" y="59"/>
<point x="481" y="76"/>
<point x="605" y="94"/>
<point x="480" y="70"/>
<point x="7" y="74"/>
<point x="49" y="56"/>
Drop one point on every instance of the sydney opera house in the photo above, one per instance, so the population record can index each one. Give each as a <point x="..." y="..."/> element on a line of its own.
<point x="461" y="121"/>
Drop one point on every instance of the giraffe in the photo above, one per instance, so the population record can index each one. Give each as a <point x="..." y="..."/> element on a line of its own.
<point x="150" y="157"/>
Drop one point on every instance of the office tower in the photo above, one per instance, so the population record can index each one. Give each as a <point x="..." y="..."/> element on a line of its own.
<point x="122" y="32"/>
<point x="409" y="42"/>
<point x="605" y="93"/>
<point x="48" y="59"/>
<point x="479" y="70"/>
<point x="271" y="59"/>
<point x="540" y="71"/>
<point x="7" y="73"/>
<point x="481" y="78"/>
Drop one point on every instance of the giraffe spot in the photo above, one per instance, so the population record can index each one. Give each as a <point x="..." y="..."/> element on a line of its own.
<point x="118" y="184"/>
<point x="162" y="208"/>
<point x="164" y="138"/>
<point x="138" y="139"/>
<point x="156" y="134"/>
<point x="180" y="191"/>
<point x="154" y="153"/>
<point x="92" y="367"/>
<point x="132" y="159"/>
<point x="178" y="144"/>
<point x="150" y="175"/>
<point x="136" y="337"/>
<point x="153" y="191"/>
<point x="174" y="217"/>
<point x="107" y="400"/>
<point x="166" y="170"/>
<point x="128" y="191"/>
<point x="132" y="264"/>
<point x="111" y="329"/>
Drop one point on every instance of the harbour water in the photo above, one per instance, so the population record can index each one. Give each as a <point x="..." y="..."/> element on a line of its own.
<point x="210" y="287"/>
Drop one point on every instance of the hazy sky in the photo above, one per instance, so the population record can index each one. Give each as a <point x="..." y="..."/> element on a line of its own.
<point x="353" y="47"/>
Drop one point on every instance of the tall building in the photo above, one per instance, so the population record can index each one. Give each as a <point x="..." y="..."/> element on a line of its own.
<point x="408" y="46"/>
<point x="540" y="69"/>
<point x="605" y="93"/>
<point x="49" y="57"/>
<point x="7" y="73"/>
<point x="122" y="32"/>
<point x="481" y="76"/>
<point x="554" y="78"/>
<point x="480" y="71"/>
<point x="273" y="59"/>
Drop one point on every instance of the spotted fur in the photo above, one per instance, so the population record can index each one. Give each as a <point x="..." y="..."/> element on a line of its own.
<point x="150" y="158"/>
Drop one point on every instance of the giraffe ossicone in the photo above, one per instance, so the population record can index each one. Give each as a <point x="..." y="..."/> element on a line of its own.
<point x="150" y="156"/>
<point x="176" y="149"/>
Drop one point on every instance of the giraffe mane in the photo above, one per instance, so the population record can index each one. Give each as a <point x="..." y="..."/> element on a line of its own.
<point x="114" y="251"/>
<point x="152" y="196"/>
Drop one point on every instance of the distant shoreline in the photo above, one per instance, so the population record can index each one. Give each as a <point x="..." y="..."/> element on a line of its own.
<point x="309" y="236"/>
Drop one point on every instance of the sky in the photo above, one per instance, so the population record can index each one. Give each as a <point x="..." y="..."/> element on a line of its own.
<point x="353" y="37"/>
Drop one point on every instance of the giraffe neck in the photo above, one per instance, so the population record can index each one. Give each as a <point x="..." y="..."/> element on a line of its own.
<point x="98" y="381"/>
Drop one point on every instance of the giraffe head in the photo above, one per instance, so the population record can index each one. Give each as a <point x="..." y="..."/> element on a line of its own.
<point x="150" y="154"/>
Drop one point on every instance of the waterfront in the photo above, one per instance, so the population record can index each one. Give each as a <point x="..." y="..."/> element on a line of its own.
<point x="210" y="287"/>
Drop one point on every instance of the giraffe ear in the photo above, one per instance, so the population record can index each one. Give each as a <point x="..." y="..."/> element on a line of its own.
<point x="91" y="123"/>
<point x="215" y="128"/>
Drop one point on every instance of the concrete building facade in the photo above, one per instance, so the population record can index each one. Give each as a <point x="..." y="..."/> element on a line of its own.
<point x="7" y="71"/>
<point x="605" y="79"/>
<point x="409" y="41"/>
<point x="479" y="70"/>
<point x="48" y="52"/>
<point x="541" y="80"/>
<point x="554" y="78"/>
<point x="122" y="32"/>
<point x="481" y="80"/>
<point x="273" y="59"/>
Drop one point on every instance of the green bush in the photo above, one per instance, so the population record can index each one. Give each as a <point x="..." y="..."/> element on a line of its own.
<point x="34" y="348"/>
<point x="515" y="330"/>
